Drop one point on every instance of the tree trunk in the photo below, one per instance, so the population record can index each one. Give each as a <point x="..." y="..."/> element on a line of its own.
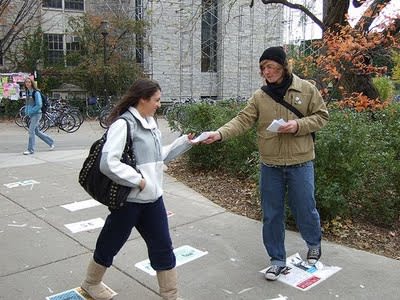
<point x="335" y="12"/>
<point x="359" y="83"/>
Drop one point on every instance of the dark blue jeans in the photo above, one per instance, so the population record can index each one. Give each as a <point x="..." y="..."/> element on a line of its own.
<point x="298" y="183"/>
<point x="150" y="220"/>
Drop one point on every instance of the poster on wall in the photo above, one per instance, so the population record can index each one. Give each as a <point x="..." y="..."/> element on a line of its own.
<point x="11" y="91"/>
<point x="12" y="85"/>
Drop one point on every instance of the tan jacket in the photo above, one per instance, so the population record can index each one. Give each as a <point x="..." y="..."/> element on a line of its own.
<point x="282" y="148"/>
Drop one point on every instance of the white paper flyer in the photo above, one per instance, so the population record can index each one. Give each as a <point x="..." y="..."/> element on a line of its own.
<point x="184" y="254"/>
<point x="302" y="276"/>
<point x="274" y="126"/>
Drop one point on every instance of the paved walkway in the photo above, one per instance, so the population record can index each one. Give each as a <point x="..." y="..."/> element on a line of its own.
<point x="45" y="247"/>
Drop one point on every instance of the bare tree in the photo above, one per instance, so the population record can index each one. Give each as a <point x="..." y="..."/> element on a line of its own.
<point x="15" y="17"/>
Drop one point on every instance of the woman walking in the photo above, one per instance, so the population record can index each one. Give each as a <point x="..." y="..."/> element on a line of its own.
<point x="144" y="209"/>
<point x="33" y="109"/>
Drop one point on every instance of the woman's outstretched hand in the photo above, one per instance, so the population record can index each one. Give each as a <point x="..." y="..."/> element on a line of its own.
<point x="191" y="137"/>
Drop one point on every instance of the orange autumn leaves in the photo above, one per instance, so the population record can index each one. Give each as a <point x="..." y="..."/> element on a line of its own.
<point x="360" y="102"/>
<point x="346" y="50"/>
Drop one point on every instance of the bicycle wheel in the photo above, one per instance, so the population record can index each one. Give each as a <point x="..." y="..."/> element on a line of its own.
<point x="92" y="111"/>
<point x="44" y="123"/>
<point x="103" y="118"/>
<point x="19" y="120"/>
<point x="25" y="122"/>
<point x="77" y="122"/>
<point x="19" y="117"/>
<point x="67" y="123"/>
<point x="77" y="114"/>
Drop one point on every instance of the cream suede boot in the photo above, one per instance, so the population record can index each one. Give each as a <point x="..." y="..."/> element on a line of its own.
<point x="167" y="281"/>
<point x="93" y="284"/>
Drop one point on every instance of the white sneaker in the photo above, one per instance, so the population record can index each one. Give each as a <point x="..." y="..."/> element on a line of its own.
<point x="52" y="147"/>
<point x="27" y="152"/>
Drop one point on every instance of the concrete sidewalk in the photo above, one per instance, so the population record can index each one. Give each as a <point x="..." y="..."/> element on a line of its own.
<point x="42" y="254"/>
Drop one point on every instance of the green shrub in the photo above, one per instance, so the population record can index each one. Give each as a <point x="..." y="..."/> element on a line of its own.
<point x="79" y="103"/>
<point x="385" y="87"/>
<point x="338" y="162"/>
<point x="236" y="155"/>
<point x="11" y="107"/>
<point x="357" y="158"/>
<point x="358" y="166"/>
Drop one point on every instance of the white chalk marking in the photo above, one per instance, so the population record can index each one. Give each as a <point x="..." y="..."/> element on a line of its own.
<point x="85" y="225"/>
<point x="228" y="292"/>
<point x="245" y="290"/>
<point x="74" y="206"/>
<point x="17" y="225"/>
<point x="30" y="182"/>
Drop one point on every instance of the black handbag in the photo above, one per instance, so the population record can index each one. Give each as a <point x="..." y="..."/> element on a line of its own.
<point x="98" y="185"/>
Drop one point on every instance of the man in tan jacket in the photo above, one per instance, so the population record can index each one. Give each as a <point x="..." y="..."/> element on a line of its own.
<point x="286" y="154"/>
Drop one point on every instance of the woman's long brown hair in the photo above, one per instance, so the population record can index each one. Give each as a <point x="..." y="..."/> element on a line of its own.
<point x="142" y="88"/>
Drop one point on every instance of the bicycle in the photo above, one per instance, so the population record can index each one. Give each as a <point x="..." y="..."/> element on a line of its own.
<point x="105" y="112"/>
<point x="58" y="115"/>
<point x="63" y="117"/>
<point x="19" y="117"/>
<point x="93" y="107"/>
<point x="22" y="120"/>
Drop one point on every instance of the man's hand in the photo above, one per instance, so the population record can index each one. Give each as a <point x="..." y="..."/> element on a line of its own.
<point x="213" y="136"/>
<point x="289" y="127"/>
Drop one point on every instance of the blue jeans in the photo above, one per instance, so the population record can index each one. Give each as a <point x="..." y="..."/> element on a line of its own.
<point x="298" y="182"/>
<point x="34" y="130"/>
<point x="150" y="220"/>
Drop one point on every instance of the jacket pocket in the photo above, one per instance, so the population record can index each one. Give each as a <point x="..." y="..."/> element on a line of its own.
<point x="268" y="144"/>
<point x="150" y="189"/>
<point x="302" y="145"/>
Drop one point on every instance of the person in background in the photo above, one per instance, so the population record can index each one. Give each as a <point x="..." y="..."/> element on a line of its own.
<point x="144" y="209"/>
<point x="287" y="156"/>
<point x="33" y="109"/>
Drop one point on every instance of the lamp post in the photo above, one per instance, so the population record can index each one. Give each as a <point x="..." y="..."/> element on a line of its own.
<point x="104" y="33"/>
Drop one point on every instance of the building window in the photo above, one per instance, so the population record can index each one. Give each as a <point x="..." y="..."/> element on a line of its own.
<point x="139" y="37"/>
<point x="74" y="4"/>
<point x="73" y="48"/>
<point x="55" y="48"/>
<point x="209" y="32"/>
<point x="73" y="45"/>
<point x="1" y="53"/>
<point x="52" y="3"/>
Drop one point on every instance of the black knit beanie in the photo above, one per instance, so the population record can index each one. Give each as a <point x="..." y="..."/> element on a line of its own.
<point x="274" y="53"/>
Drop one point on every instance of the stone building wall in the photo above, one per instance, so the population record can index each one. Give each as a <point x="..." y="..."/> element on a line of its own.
<point x="175" y="55"/>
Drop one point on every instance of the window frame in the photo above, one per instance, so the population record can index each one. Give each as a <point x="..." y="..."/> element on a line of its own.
<point x="72" y="45"/>
<point x="57" y="4"/>
<point x="209" y="36"/>
<point x="74" y="5"/>
<point x="1" y="53"/>
<point x="55" y="48"/>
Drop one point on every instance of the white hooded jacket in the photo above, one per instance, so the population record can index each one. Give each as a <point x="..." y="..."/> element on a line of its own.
<point x="149" y="152"/>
